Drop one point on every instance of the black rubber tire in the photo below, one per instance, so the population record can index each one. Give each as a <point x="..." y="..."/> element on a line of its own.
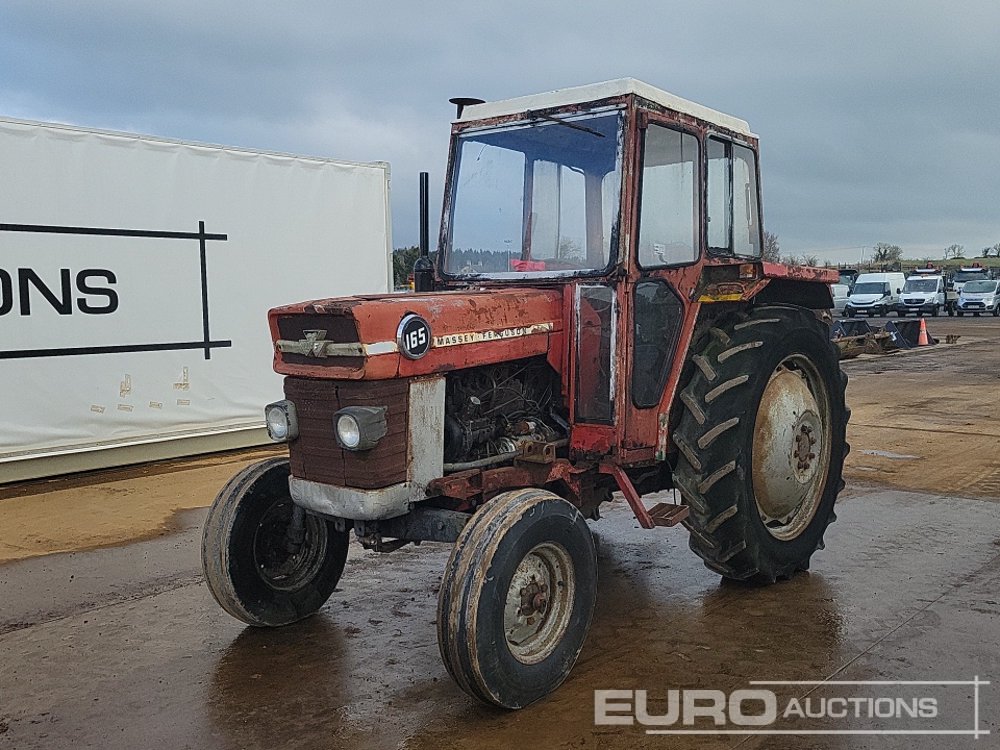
<point x="471" y="601"/>
<point x="849" y="313"/>
<point x="900" y="314"/>
<point x="229" y="550"/>
<point x="961" y="314"/>
<point x="975" y="315"/>
<point x="715" y="435"/>
<point x="996" y="311"/>
<point x="950" y="310"/>
<point x="935" y="311"/>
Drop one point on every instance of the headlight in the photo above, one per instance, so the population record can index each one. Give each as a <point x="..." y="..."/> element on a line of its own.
<point x="282" y="424"/>
<point x="359" y="428"/>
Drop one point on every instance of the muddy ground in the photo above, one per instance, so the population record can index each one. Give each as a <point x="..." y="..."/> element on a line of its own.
<point x="108" y="637"/>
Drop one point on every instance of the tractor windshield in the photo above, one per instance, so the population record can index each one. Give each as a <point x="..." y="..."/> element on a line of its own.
<point x="536" y="199"/>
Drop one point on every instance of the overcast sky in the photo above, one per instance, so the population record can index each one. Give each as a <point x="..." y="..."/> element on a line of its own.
<point x="879" y="121"/>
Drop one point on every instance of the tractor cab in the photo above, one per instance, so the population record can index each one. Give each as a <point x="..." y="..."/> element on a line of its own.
<point x="641" y="207"/>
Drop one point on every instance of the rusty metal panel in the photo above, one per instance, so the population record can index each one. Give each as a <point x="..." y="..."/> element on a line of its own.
<point x="800" y="273"/>
<point x="468" y="328"/>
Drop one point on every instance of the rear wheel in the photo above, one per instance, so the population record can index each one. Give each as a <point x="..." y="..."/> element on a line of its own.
<point x="517" y="598"/>
<point x="762" y="442"/>
<point x="266" y="561"/>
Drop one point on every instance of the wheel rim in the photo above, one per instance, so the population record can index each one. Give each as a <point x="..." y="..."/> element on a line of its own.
<point x="539" y="602"/>
<point x="791" y="447"/>
<point x="279" y="564"/>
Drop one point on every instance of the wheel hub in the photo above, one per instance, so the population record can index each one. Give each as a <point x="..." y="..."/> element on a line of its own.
<point x="533" y="598"/>
<point x="539" y="602"/>
<point x="791" y="448"/>
<point x="287" y="557"/>
<point x="802" y="451"/>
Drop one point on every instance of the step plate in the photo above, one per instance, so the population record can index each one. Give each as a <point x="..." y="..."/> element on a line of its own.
<point x="668" y="514"/>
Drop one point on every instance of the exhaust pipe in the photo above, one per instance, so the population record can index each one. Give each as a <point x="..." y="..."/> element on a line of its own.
<point x="461" y="102"/>
<point x="423" y="269"/>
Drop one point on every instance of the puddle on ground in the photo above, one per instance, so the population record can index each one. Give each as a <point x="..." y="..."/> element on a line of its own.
<point x="888" y="454"/>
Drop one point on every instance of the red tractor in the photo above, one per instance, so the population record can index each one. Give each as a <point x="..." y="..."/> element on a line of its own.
<point x="598" y="319"/>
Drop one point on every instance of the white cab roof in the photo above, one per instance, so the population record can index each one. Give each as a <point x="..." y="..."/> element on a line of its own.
<point x="607" y="89"/>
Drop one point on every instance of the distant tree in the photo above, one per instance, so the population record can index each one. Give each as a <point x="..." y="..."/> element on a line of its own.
<point x="996" y="249"/>
<point x="403" y="259"/>
<point x="791" y="260"/>
<point x="810" y="260"/>
<point x="885" y="254"/>
<point x="954" y="252"/>
<point x="772" y="251"/>
<point x="569" y="249"/>
<point x="987" y="251"/>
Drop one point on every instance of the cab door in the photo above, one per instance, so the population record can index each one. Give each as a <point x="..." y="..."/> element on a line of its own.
<point x="659" y="293"/>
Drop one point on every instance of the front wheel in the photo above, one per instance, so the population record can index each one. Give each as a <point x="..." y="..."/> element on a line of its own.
<point x="266" y="561"/>
<point x="934" y="311"/>
<point x="961" y="314"/>
<point x="761" y="442"/>
<point x="517" y="598"/>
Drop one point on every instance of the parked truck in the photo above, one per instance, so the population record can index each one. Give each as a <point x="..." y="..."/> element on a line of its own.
<point x="600" y="321"/>
<point x="926" y="291"/>
<point x="875" y="294"/>
<point x="964" y="274"/>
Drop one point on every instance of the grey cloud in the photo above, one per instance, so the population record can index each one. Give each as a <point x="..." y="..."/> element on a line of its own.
<point x="877" y="121"/>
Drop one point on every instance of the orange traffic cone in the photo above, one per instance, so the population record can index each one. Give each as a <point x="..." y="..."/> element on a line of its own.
<point x="922" y="339"/>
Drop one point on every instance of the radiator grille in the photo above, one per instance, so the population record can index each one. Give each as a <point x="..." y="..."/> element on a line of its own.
<point x="315" y="454"/>
<point x="339" y="328"/>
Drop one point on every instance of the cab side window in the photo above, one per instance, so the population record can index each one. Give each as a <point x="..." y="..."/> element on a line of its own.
<point x="733" y="221"/>
<point x="668" y="209"/>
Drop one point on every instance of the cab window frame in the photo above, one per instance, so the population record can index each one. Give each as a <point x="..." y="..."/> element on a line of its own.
<point x="729" y="144"/>
<point x="645" y="123"/>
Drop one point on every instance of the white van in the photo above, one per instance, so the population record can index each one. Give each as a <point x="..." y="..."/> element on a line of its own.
<point x="875" y="294"/>
<point x="922" y="293"/>
<point x="980" y="296"/>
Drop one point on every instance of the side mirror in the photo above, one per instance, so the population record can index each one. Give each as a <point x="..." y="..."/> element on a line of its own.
<point x="898" y="291"/>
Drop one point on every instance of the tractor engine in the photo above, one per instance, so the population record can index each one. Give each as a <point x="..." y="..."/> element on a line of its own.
<point x="491" y="411"/>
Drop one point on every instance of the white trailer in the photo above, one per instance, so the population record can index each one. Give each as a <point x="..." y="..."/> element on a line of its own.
<point x="135" y="278"/>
